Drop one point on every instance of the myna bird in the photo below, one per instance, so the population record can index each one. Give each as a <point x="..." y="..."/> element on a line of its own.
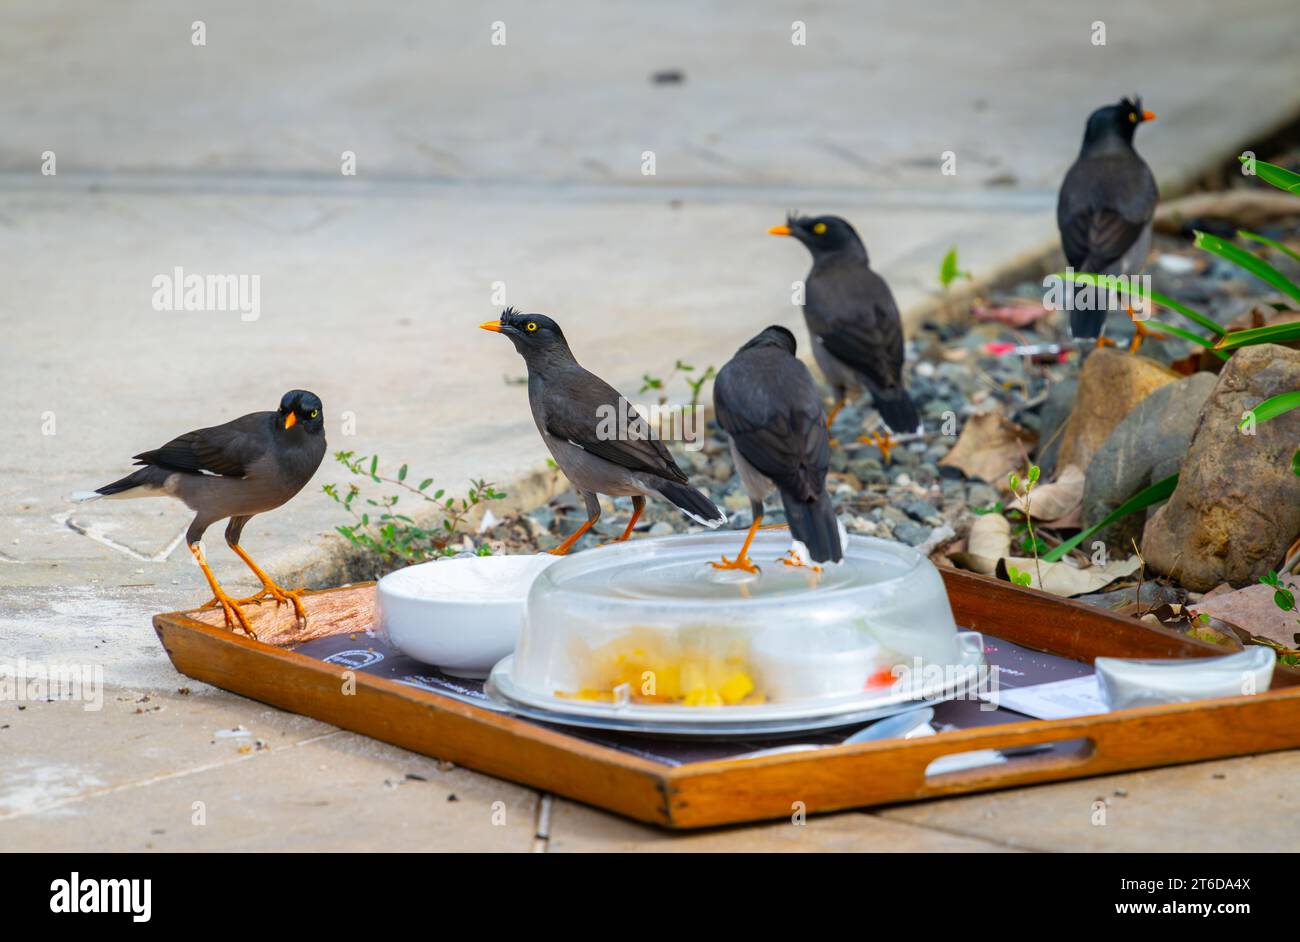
<point x="766" y="400"/>
<point x="857" y="337"/>
<point x="1106" y="205"/>
<point x="597" y="439"/>
<point x="245" y="467"/>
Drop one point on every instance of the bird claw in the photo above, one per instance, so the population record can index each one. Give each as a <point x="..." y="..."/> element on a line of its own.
<point x="230" y="608"/>
<point x="741" y="562"/>
<point x="882" y="440"/>
<point x="790" y="559"/>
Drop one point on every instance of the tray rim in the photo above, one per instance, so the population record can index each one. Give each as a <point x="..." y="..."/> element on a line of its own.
<point x="732" y="791"/>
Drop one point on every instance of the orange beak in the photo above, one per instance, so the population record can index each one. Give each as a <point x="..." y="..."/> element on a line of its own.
<point x="290" y="420"/>
<point x="494" y="326"/>
<point x="1148" y="116"/>
<point x="779" y="230"/>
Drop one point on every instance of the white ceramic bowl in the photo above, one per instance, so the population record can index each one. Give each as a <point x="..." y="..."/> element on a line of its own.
<point x="460" y="615"/>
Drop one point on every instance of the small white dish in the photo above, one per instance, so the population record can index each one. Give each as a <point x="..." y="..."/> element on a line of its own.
<point x="1125" y="683"/>
<point x="460" y="615"/>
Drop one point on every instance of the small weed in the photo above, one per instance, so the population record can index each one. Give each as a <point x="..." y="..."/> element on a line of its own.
<point x="395" y="537"/>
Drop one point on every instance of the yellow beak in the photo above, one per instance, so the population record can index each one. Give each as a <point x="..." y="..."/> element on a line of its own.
<point x="290" y="420"/>
<point x="494" y="326"/>
<point x="779" y="230"/>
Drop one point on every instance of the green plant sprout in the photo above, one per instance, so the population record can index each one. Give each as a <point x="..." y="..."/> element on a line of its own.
<point x="1019" y="578"/>
<point x="948" y="270"/>
<point x="396" y="537"/>
<point x="1023" y="489"/>
<point x="1284" y="599"/>
<point x="696" y="384"/>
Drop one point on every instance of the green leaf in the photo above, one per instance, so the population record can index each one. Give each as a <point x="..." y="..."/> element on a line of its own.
<point x="1248" y="261"/>
<point x="374" y="463"/>
<point x="1034" y="472"/>
<point x="1185" y="335"/>
<point x="1273" y="407"/>
<point x="948" y="270"/>
<point x="425" y="483"/>
<point x="1273" y="333"/>
<point x="1143" y="499"/>
<point x="1112" y="282"/>
<point x="1271" y="243"/>
<point x="1295" y="463"/>
<point x="1276" y="176"/>
<point x="401" y="473"/>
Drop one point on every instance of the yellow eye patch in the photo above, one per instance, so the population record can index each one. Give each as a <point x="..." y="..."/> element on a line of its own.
<point x="531" y="325"/>
<point x="819" y="228"/>
<point x="1132" y="117"/>
<point x="315" y="412"/>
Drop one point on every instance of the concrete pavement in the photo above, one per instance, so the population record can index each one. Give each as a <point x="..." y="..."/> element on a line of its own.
<point x="477" y="164"/>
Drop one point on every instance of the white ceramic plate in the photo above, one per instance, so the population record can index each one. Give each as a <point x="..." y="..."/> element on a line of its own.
<point x="808" y="714"/>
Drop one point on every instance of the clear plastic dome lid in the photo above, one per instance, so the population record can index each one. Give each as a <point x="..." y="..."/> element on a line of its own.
<point x="653" y="623"/>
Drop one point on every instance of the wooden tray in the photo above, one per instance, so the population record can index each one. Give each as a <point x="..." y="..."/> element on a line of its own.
<point x="713" y="792"/>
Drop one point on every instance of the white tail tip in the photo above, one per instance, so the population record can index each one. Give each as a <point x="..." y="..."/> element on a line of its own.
<point x="80" y="497"/>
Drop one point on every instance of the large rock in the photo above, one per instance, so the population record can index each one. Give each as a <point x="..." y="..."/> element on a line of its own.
<point x="1148" y="445"/>
<point x="1111" y="384"/>
<point x="1237" y="505"/>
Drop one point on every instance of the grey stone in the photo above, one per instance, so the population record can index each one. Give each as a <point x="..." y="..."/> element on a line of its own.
<point x="1236" y="508"/>
<point x="1052" y="416"/>
<point x="913" y="534"/>
<point x="1148" y="445"/>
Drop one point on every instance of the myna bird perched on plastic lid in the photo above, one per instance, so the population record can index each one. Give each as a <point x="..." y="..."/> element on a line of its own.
<point x="857" y="337"/>
<point x="245" y="467"/>
<point x="597" y="439"/>
<point x="1106" y="205"/>
<point x="766" y="400"/>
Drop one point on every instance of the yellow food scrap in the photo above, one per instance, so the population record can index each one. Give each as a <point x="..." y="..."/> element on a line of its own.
<point x="736" y="688"/>
<point x="690" y="668"/>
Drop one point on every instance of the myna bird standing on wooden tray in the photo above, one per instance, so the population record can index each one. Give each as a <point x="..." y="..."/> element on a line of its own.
<point x="1106" y="205"/>
<point x="766" y="400"/>
<point x="857" y="337"/>
<point x="597" y="439"/>
<point x="245" y="467"/>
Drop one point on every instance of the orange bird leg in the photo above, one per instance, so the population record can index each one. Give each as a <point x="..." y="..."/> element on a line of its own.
<point x="742" y="560"/>
<point x="567" y="545"/>
<point x="228" y="605"/>
<point x="269" y="587"/>
<point x="835" y="410"/>
<point x="1139" y="331"/>
<point x="638" y="505"/>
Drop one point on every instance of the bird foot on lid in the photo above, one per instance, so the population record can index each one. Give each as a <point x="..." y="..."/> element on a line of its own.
<point x="741" y="562"/>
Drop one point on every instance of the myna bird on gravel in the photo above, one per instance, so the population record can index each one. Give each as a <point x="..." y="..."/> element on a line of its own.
<point x="245" y="467"/>
<point x="766" y="400"/>
<point x="857" y="337"/>
<point x="597" y="439"/>
<point x="1106" y="205"/>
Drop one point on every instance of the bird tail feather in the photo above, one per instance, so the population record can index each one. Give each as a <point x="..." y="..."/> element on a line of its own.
<point x="150" y="478"/>
<point x="692" y="503"/>
<point x="815" y="526"/>
<point x="1086" y="323"/>
<point x="897" y="409"/>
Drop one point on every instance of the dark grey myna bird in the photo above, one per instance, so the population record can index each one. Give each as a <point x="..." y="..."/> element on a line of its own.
<point x="766" y="400"/>
<point x="599" y="441"/>
<point x="245" y="467"/>
<point x="857" y="337"/>
<point x="1106" y="205"/>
